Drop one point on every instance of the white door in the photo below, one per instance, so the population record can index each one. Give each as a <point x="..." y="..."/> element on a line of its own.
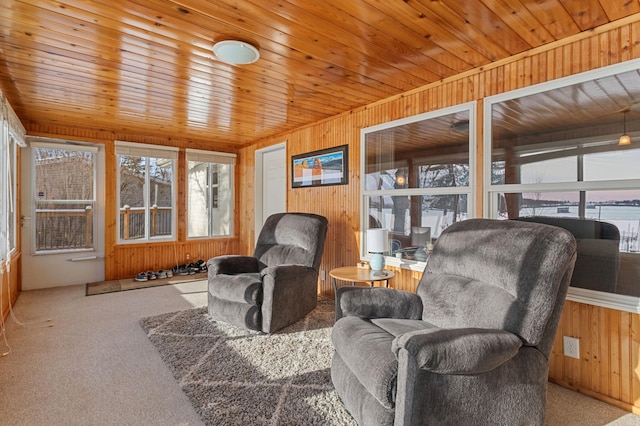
<point x="62" y="213"/>
<point x="271" y="183"/>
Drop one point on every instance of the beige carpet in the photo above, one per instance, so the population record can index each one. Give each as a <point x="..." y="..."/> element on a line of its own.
<point x="96" y="366"/>
<point x="103" y="287"/>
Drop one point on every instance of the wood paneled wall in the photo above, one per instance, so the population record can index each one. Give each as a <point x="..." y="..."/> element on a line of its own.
<point x="9" y="286"/>
<point x="609" y="364"/>
<point x="609" y="367"/>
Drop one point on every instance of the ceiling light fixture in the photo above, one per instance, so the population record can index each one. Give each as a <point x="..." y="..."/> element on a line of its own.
<point x="624" y="138"/>
<point x="236" y="52"/>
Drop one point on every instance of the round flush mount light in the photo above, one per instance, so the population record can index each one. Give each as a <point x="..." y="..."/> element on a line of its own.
<point x="236" y="52"/>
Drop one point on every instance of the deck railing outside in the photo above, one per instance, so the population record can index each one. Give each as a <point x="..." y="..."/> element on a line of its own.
<point x="64" y="229"/>
<point x="71" y="229"/>
<point x="132" y="222"/>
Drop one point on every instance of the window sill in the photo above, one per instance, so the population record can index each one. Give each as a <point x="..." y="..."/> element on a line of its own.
<point x="619" y="302"/>
<point x="412" y="265"/>
<point x="602" y="299"/>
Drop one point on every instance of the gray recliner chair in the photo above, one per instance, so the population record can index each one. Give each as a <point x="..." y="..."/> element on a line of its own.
<point x="278" y="285"/>
<point x="471" y="346"/>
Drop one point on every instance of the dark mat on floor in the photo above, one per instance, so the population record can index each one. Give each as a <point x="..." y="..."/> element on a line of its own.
<point x="104" y="287"/>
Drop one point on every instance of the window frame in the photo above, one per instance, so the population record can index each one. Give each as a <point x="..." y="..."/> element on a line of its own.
<point x="12" y="197"/>
<point x="212" y="158"/>
<point x="147" y="151"/>
<point x="4" y="178"/>
<point x="490" y="206"/>
<point x="36" y="142"/>
<point x="469" y="191"/>
<point x="12" y="136"/>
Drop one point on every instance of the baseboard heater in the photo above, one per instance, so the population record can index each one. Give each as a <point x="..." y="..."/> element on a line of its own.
<point x="80" y="259"/>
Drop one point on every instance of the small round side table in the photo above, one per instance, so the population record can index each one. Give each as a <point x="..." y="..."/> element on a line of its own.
<point x="355" y="275"/>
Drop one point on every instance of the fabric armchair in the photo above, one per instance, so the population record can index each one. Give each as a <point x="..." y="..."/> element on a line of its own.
<point x="471" y="346"/>
<point x="276" y="286"/>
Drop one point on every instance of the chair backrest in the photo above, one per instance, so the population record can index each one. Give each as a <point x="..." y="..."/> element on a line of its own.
<point x="580" y="228"/>
<point x="292" y="238"/>
<point x="499" y="274"/>
<point x="598" y="249"/>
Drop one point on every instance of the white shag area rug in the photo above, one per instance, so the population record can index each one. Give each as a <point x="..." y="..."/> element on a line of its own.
<point x="237" y="377"/>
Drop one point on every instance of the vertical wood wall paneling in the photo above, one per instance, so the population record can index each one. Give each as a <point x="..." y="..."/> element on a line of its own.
<point x="112" y="263"/>
<point x="245" y="194"/>
<point x="608" y="366"/>
<point x="181" y="199"/>
<point x="9" y="285"/>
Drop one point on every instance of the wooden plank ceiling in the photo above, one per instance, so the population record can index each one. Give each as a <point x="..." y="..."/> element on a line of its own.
<point x="145" y="67"/>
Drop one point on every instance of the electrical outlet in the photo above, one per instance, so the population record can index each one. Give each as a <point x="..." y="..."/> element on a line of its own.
<point x="571" y="347"/>
<point x="323" y="275"/>
<point x="188" y="256"/>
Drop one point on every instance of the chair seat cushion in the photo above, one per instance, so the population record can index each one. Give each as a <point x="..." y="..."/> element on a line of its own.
<point x="242" y="288"/>
<point x="365" y="348"/>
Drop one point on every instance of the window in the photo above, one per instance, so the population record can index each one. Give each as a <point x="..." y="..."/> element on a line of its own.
<point x="418" y="178"/>
<point x="11" y="136"/>
<point x="542" y="166"/>
<point x="4" y="184"/>
<point x="210" y="193"/>
<point x="146" y="192"/>
<point x="12" y="197"/>
<point x="64" y="197"/>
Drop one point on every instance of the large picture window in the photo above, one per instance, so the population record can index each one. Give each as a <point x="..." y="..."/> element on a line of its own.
<point x="210" y="193"/>
<point x="146" y="197"/>
<point x="417" y="178"/>
<point x="554" y="151"/>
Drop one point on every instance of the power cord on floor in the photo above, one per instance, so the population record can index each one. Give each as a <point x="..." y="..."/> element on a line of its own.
<point x="3" y="330"/>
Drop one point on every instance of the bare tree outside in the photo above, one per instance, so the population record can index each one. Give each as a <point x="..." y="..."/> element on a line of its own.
<point x="64" y="198"/>
<point x="445" y="176"/>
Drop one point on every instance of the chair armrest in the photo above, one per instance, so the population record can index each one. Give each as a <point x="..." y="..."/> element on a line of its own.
<point x="366" y="302"/>
<point x="459" y="350"/>
<point x="232" y="264"/>
<point x="285" y="272"/>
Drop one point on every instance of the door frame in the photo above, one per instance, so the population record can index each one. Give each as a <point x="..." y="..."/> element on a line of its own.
<point x="260" y="196"/>
<point x="73" y="266"/>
